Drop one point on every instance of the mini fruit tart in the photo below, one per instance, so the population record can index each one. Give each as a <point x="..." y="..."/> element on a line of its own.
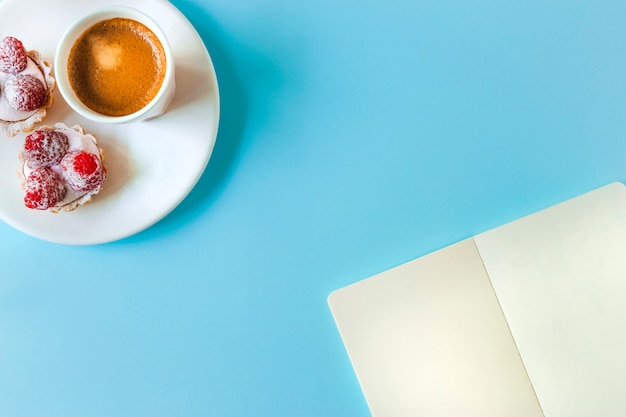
<point x="61" y="168"/>
<point x="25" y="87"/>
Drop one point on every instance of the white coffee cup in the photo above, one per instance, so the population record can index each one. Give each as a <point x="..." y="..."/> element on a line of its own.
<point x="155" y="107"/>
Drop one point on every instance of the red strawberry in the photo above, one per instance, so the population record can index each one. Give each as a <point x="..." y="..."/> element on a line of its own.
<point x="44" y="148"/>
<point x="25" y="92"/>
<point x="82" y="170"/>
<point x="13" y="58"/>
<point x="43" y="189"/>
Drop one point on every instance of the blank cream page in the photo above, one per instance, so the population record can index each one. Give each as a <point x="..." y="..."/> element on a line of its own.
<point x="428" y="338"/>
<point x="560" y="277"/>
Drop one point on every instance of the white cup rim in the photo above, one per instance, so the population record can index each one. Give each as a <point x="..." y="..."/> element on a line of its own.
<point x="71" y="35"/>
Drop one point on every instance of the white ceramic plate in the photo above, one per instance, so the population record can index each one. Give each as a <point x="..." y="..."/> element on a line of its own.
<point x="152" y="165"/>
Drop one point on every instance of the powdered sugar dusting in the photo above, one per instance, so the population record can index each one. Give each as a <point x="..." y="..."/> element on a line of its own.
<point x="25" y="92"/>
<point x="13" y="120"/>
<point x="82" y="171"/>
<point x="13" y="58"/>
<point x="44" y="148"/>
<point x="8" y="112"/>
<point x="78" y="141"/>
<point x="43" y="189"/>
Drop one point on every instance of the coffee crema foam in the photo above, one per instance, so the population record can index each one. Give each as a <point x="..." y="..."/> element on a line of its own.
<point x="117" y="66"/>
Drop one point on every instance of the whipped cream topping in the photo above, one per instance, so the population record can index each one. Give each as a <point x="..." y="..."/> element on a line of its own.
<point x="77" y="141"/>
<point x="7" y="112"/>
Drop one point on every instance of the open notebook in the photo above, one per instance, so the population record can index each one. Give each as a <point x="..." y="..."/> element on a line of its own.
<point x="528" y="320"/>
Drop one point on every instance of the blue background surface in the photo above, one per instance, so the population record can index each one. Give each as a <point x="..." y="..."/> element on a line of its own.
<point x="355" y="136"/>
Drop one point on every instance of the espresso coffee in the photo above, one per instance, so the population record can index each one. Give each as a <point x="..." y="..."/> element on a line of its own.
<point x="117" y="66"/>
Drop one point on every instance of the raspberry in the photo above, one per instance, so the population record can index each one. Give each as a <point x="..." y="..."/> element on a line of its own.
<point x="82" y="170"/>
<point x="44" y="148"/>
<point x="13" y="58"/>
<point x="43" y="189"/>
<point x="25" y="92"/>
